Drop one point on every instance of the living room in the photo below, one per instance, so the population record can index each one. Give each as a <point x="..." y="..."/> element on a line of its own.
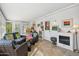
<point x="39" y="29"/>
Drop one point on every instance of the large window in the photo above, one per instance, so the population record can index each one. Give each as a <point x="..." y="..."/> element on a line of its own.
<point x="8" y="27"/>
<point x="24" y="27"/>
<point x="17" y="27"/>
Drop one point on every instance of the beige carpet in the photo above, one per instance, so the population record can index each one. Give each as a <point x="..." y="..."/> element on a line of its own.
<point x="46" y="48"/>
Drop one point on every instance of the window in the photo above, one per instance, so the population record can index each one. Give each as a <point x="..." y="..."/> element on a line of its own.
<point x="17" y="27"/>
<point x="8" y="27"/>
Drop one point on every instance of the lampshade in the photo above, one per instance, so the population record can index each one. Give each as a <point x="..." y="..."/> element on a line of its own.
<point x="76" y="26"/>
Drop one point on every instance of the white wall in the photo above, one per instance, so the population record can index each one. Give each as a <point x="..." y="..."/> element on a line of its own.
<point x="2" y="25"/>
<point x="59" y="16"/>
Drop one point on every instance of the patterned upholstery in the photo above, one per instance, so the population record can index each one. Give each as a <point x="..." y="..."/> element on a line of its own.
<point x="7" y="49"/>
<point x="7" y="45"/>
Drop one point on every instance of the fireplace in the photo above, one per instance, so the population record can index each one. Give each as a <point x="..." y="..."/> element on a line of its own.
<point x="64" y="40"/>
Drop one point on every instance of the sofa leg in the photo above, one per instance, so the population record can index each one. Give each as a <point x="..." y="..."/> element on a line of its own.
<point x="29" y="48"/>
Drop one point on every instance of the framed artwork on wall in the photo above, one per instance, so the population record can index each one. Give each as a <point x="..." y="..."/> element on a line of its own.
<point x="68" y="22"/>
<point x="55" y="28"/>
<point x="54" y="25"/>
<point x="47" y="25"/>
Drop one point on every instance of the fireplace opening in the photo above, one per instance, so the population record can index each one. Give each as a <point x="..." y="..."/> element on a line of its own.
<point x="64" y="40"/>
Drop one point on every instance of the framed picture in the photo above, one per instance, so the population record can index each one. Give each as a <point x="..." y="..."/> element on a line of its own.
<point x="55" y="28"/>
<point x="54" y="25"/>
<point x="68" y="22"/>
<point x="47" y="25"/>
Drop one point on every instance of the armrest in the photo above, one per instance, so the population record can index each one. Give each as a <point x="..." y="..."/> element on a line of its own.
<point x="22" y="50"/>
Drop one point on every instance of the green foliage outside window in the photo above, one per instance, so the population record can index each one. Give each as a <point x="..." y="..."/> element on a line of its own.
<point x="8" y="27"/>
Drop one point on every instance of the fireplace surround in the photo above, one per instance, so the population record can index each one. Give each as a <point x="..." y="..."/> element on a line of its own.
<point x="65" y="40"/>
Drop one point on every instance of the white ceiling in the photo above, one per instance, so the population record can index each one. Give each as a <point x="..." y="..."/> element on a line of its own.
<point x="29" y="11"/>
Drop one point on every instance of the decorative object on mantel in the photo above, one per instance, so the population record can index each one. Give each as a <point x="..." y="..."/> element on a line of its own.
<point x="76" y="27"/>
<point x="68" y="22"/>
<point x="47" y="25"/>
<point x="69" y="31"/>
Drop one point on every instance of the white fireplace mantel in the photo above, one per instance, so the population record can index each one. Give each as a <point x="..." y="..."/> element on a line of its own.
<point x="71" y="47"/>
<point x="49" y="34"/>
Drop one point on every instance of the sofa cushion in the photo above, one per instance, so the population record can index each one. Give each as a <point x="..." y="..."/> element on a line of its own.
<point x="19" y="40"/>
<point x="5" y="42"/>
<point x="17" y="35"/>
